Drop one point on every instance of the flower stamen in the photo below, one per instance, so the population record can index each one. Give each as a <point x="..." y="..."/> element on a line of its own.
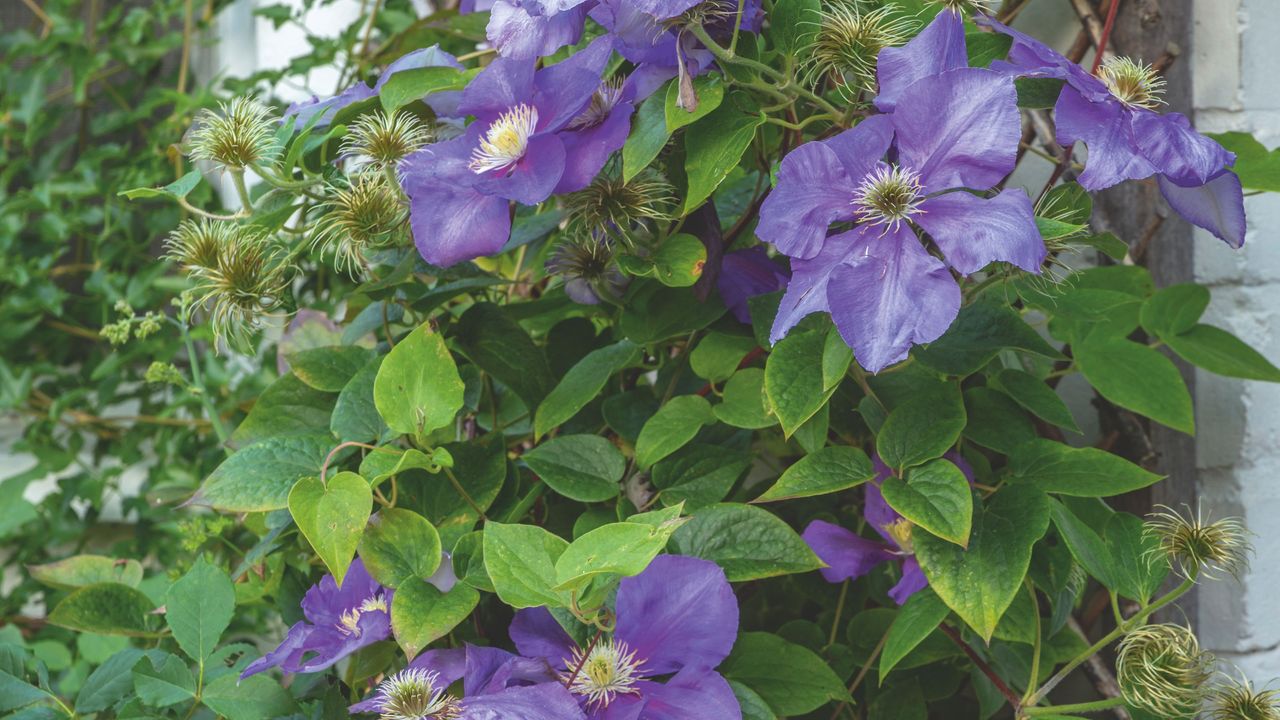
<point x="888" y="195"/>
<point x="603" y="101"/>
<point x="1133" y="83"/>
<point x="609" y="670"/>
<point x="506" y="140"/>
<point x="414" y="694"/>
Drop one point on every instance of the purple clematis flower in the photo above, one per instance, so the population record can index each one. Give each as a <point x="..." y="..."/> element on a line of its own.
<point x="529" y="29"/>
<point x="515" y="150"/>
<point x="950" y="134"/>
<point x="678" y="616"/>
<point x="745" y="274"/>
<point x="1113" y="114"/>
<point x="850" y="556"/>
<point x="496" y="686"/>
<point x="328" y="108"/>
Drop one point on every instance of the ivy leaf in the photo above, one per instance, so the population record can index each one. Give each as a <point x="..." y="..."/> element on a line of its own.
<point x="717" y="356"/>
<point x="179" y="188"/>
<point x="1053" y="467"/>
<point x="792" y="21"/>
<point x="1258" y="168"/>
<point x="1137" y="378"/>
<point x="1086" y="545"/>
<point x="794" y="390"/>
<point x="332" y="517"/>
<point x="81" y="570"/>
<point x="624" y="549"/>
<point x="1140" y="566"/>
<point x="400" y="546"/>
<point x="329" y="369"/>
<point x="748" y="542"/>
<point x="164" y="683"/>
<point x="258" y="478"/>
<point x="713" y="147"/>
<point x="582" y="383"/>
<point x="105" y="608"/>
<point x="919" y="617"/>
<point x="198" y="608"/>
<point x="792" y="679"/>
<point x="831" y="469"/>
<point x="407" y="86"/>
<point x="1175" y="309"/>
<point x="921" y="429"/>
<point x="744" y="404"/>
<point x="995" y="421"/>
<point x="710" y="91"/>
<point x="1036" y="397"/>
<point x="421" y="614"/>
<point x="979" y="583"/>
<point x="698" y="475"/>
<point x="418" y="389"/>
<point x="1222" y="353"/>
<point x="287" y="407"/>
<point x="521" y="561"/>
<point x="674" y="425"/>
<point x="935" y="496"/>
<point x="104" y="687"/>
<point x="355" y="416"/>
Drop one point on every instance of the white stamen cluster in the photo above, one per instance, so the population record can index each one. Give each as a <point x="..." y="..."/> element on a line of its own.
<point x="607" y="671"/>
<point x="603" y="101"/>
<point x="506" y="140"/>
<point x="888" y="195"/>
<point x="349" y="621"/>
<point x="1133" y="83"/>
<point x="414" y="694"/>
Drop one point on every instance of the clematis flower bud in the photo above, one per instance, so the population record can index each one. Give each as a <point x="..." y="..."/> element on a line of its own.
<point x="1161" y="668"/>
<point x="1196" y="547"/>
<point x="241" y="135"/>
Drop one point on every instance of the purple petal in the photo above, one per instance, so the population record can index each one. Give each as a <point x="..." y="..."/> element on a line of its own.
<point x="1028" y="57"/>
<point x="1176" y="150"/>
<point x="548" y="701"/>
<point x="587" y="150"/>
<point x="536" y="633"/>
<point x="959" y="129"/>
<point x="562" y="91"/>
<point x="639" y="37"/>
<point x="450" y="665"/>
<point x="426" y="57"/>
<point x="293" y="642"/>
<point x="451" y="221"/>
<point x="745" y="274"/>
<point x="938" y="48"/>
<point x="444" y="578"/>
<point x="491" y="670"/>
<point x="623" y="707"/>
<point x="302" y="113"/>
<point x="534" y="176"/>
<point x="1106" y="131"/>
<point x="975" y="231"/>
<point x="680" y="611"/>
<point x="693" y="694"/>
<point x="875" y="510"/>
<point x="890" y="297"/>
<point x="913" y="581"/>
<point x="663" y="9"/>
<point x="1216" y="206"/>
<point x="324" y="603"/>
<point x="813" y="191"/>
<point x="519" y="33"/>
<point x="505" y="83"/>
<point x="648" y="78"/>
<point x="847" y="555"/>
<point x="807" y="289"/>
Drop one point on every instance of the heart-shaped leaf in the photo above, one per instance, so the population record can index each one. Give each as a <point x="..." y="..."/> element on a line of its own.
<point x="332" y="517"/>
<point x="936" y="497"/>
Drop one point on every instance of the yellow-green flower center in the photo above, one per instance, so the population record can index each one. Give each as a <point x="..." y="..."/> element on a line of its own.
<point x="506" y="140"/>
<point x="607" y="671"/>
<point x="1133" y="83"/>
<point x="888" y="195"/>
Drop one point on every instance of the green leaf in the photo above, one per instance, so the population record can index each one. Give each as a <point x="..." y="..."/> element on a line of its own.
<point x="329" y="369"/>
<point x="104" y="687"/>
<point x="1140" y="566"/>
<point x="655" y="312"/>
<point x="717" y="356"/>
<point x="355" y="416"/>
<point x="586" y="468"/>
<point x="791" y="22"/>
<point x="648" y="136"/>
<point x="521" y="560"/>
<point x="753" y="706"/>
<point x="995" y="421"/>
<point x="407" y="86"/>
<point x="795" y="392"/>
<point x="1038" y="93"/>
<point x="985" y="48"/>
<point x="400" y="546"/>
<point x="698" y="475"/>
<point x="287" y="407"/>
<point x="166" y="683"/>
<point x="14" y="693"/>
<point x="710" y="90"/>
<point x="582" y="383"/>
<point x="198" y="608"/>
<point x="979" y="583"/>
<point x="1137" y="378"/>
<point x="388" y="462"/>
<point x="481" y="471"/>
<point x="831" y="469"/>
<point x="1175" y="309"/>
<point x="1053" y="467"/>
<point x="179" y="188"/>
<point x="789" y="677"/>
<point x="1107" y="244"/>
<point x="418" y="388"/>
<point x="257" y="697"/>
<point x="744" y="404"/>
<point x="259" y="477"/>
<point x="935" y="496"/>
<point x="1222" y="353"/>
<point x="105" y="608"/>
<point x="500" y="347"/>
<point x="713" y="147"/>
<point x="748" y="542"/>
<point x="1086" y="545"/>
<point x="919" y="617"/>
<point x="979" y="332"/>
<point x="80" y="570"/>
<point x="920" y="429"/>
<point x="624" y="549"/>
<point x="421" y="614"/>
<point x="674" y="425"/>
<point x="332" y="517"/>
<point x="1258" y="168"/>
<point x="1036" y="397"/>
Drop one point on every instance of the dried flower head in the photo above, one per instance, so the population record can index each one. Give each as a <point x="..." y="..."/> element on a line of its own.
<point x="587" y="266"/>
<point x="366" y="215"/>
<point x="847" y="41"/>
<point x="1196" y="547"/>
<point x="195" y="244"/>
<point x="609" y="206"/>
<point x="1133" y="83"/>
<point x="247" y="282"/>
<point x="1237" y="700"/>
<point x="241" y="135"/>
<point x="1161" y="668"/>
<point x="384" y="139"/>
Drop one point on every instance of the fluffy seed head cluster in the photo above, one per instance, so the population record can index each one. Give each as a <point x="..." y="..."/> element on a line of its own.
<point x="197" y="244"/>
<point x="847" y="40"/>
<point x="368" y="214"/>
<point x="1197" y="547"/>
<point x="506" y="140"/>
<point x="587" y="266"/>
<point x="608" y="670"/>
<point x="1161" y="668"/>
<point x="240" y="135"/>
<point x="888" y="196"/>
<point x="415" y="694"/>
<point x="247" y="280"/>
<point x="609" y="206"/>
<point x="384" y="139"/>
<point x="1239" y="701"/>
<point x="1133" y="83"/>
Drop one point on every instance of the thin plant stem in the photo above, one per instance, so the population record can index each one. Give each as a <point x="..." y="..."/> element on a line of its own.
<point x="1074" y="709"/>
<point x="1036" y="644"/>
